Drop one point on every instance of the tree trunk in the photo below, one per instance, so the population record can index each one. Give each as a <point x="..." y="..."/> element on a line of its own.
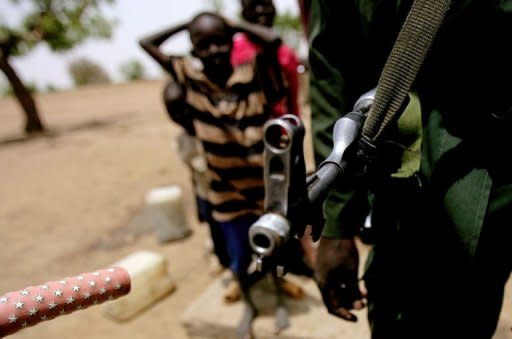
<point x="32" y="122"/>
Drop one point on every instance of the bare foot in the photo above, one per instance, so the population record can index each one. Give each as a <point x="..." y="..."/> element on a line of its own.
<point x="232" y="293"/>
<point x="215" y="268"/>
<point x="291" y="289"/>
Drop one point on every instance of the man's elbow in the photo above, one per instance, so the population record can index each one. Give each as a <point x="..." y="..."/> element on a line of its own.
<point x="144" y="43"/>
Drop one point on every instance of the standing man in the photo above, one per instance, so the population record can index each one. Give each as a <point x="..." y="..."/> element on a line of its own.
<point x="227" y="108"/>
<point x="263" y="12"/>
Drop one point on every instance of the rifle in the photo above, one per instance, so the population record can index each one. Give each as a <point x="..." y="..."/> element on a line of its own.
<point x="357" y="137"/>
<point x="292" y="200"/>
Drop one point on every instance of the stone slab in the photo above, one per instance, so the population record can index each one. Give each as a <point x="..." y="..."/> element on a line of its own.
<point x="150" y="282"/>
<point x="209" y="317"/>
<point x="164" y="210"/>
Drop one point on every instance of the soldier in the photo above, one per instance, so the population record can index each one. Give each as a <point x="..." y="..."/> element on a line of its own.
<point x="441" y="255"/>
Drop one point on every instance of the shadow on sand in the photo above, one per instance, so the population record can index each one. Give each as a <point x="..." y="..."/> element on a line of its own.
<point x="53" y="133"/>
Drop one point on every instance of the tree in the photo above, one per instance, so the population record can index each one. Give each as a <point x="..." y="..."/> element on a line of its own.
<point x="6" y="90"/>
<point x="61" y="24"/>
<point x="87" y="72"/>
<point x="132" y="70"/>
<point x="290" y="27"/>
<point x="216" y="5"/>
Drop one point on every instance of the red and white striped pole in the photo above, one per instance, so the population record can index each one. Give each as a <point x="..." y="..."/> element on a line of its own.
<point x="33" y="304"/>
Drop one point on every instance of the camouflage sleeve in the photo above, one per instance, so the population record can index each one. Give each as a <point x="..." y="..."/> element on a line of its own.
<point x="346" y="207"/>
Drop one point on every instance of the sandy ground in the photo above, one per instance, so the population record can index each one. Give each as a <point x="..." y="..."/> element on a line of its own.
<point x="67" y="201"/>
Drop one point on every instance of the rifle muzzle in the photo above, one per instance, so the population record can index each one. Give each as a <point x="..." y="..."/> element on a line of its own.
<point x="268" y="234"/>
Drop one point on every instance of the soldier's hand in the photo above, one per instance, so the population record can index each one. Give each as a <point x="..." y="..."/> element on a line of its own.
<point x="336" y="274"/>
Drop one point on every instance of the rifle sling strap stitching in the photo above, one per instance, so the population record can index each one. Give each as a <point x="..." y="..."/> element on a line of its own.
<point x="403" y="63"/>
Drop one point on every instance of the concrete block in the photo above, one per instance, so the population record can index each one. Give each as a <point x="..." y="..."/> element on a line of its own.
<point x="165" y="212"/>
<point x="150" y="282"/>
<point x="209" y="317"/>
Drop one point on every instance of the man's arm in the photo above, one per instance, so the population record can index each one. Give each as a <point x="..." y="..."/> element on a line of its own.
<point x="333" y="95"/>
<point x="177" y="107"/>
<point x="151" y="44"/>
<point x="264" y="36"/>
<point x="267" y="61"/>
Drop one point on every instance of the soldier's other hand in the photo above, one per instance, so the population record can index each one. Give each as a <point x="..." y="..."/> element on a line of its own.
<point x="336" y="274"/>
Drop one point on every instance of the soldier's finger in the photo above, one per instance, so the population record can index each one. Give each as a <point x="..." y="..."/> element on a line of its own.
<point x="345" y="314"/>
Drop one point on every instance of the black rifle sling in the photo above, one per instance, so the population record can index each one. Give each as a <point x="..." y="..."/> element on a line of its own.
<point x="401" y="68"/>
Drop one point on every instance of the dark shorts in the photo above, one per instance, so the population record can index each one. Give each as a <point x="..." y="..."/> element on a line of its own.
<point x="203" y="209"/>
<point x="236" y="238"/>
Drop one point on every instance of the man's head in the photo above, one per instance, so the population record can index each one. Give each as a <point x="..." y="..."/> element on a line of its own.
<point x="260" y="12"/>
<point x="212" y="41"/>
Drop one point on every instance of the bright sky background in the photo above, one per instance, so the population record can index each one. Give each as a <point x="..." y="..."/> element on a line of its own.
<point x="136" y="18"/>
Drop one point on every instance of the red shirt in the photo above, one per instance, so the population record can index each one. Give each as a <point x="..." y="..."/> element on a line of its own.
<point x="245" y="50"/>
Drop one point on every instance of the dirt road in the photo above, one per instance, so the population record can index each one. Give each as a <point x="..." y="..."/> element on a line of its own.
<point x="67" y="202"/>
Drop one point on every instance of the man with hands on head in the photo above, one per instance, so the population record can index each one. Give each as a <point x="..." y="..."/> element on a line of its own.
<point x="227" y="108"/>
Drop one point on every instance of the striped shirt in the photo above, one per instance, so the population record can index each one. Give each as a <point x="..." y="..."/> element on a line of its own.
<point x="229" y="123"/>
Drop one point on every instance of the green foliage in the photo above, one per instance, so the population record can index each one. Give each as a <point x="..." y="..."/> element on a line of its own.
<point x="61" y="24"/>
<point x="50" y="88"/>
<point x="6" y="90"/>
<point x="289" y="27"/>
<point x="287" y="22"/>
<point x="87" y="72"/>
<point x="132" y="70"/>
<point x="217" y="5"/>
<point x="3" y="89"/>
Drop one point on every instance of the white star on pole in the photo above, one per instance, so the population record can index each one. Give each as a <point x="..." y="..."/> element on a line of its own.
<point x="39" y="298"/>
<point x="118" y="286"/>
<point x="24" y="293"/>
<point x="44" y="287"/>
<point x="92" y="283"/>
<point x="76" y="288"/>
<point x="87" y="295"/>
<point x="63" y="282"/>
<point x="52" y="305"/>
<point x="33" y="311"/>
<point x="80" y="277"/>
<point x="108" y="280"/>
<point x="25" y="324"/>
<point x="19" y="305"/>
<point x="58" y="293"/>
<point x="70" y="300"/>
<point x="103" y="291"/>
<point x="3" y="300"/>
<point x="43" y="317"/>
<point x="12" y="319"/>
